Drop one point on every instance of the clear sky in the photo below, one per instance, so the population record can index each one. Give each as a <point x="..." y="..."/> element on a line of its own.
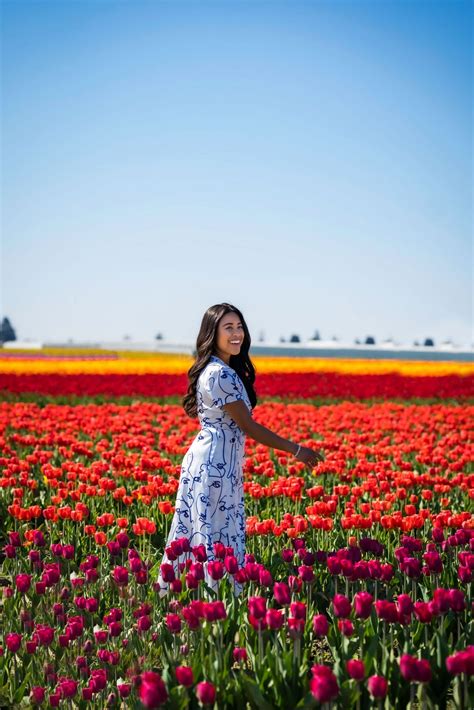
<point x="310" y="162"/>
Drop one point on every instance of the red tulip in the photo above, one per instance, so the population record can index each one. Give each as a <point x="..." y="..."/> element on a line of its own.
<point x="320" y="625"/>
<point x="231" y="564"/>
<point x="461" y="662"/>
<point x="363" y="604"/>
<point x="387" y="611"/>
<point x="457" y="600"/>
<point x="346" y="627"/>
<point x="124" y="689"/>
<point x="415" y="670"/>
<point x="215" y="569"/>
<point x="341" y="606"/>
<point x="298" y="610"/>
<point x="173" y="623"/>
<point x="423" y="612"/>
<point x="219" y="550"/>
<point x="323" y="684"/>
<point x="152" y="690"/>
<point x="13" y="642"/>
<point x="274" y="619"/>
<point x="405" y="604"/>
<point x="37" y="695"/>
<point x="295" y="626"/>
<point x="23" y="582"/>
<point x="306" y="573"/>
<point x="206" y="693"/>
<point x="281" y="593"/>
<point x="239" y="654"/>
<point x="265" y="578"/>
<point x="184" y="676"/>
<point x="377" y="686"/>
<point x="120" y="576"/>
<point x="68" y="687"/>
<point x="167" y="572"/>
<point x="257" y="607"/>
<point x="356" y="669"/>
<point x="199" y="552"/>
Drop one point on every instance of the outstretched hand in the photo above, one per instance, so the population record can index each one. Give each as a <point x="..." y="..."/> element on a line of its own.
<point x="310" y="457"/>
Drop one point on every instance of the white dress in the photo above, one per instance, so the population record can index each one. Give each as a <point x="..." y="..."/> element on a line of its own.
<point x="210" y="498"/>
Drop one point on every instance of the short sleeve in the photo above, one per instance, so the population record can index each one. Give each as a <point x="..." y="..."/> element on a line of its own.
<point x="223" y="385"/>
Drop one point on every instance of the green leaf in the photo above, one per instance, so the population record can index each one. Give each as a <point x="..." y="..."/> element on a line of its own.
<point x="306" y="703"/>
<point x="255" y="695"/>
<point x="21" y="690"/>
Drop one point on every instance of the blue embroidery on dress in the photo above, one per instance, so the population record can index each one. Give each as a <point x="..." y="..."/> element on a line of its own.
<point x="210" y="498"/>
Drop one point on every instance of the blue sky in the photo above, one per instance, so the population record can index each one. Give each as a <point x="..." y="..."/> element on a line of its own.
<point x="310" y="162"/>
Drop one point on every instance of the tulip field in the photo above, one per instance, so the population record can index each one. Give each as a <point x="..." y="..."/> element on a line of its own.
<point x="357" y="583"/>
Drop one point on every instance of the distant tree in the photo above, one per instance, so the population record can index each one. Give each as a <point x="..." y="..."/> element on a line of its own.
<point x="357" y="341"/>
<point x="159" y="336"/>
<point x="282" y="339"/>
<point x="416" y="344"/>
<point x="429" y="342"/>
<point x="316" y="335"/>
<point x="261" y="337"/>
<point x="370" y="340"/>
<point x="6" y="331"/>
<point x="335" y="338"/>
<point x="295" y="339"/>
<point x="126" y="337"/>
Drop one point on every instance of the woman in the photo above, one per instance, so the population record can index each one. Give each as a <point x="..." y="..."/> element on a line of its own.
<point x="210" y="497"/>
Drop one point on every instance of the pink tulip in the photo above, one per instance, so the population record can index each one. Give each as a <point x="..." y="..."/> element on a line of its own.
<point x="341" y="606"/>
<point x="184" y="676"/>
<point x="346" y="627"/>
<point x="415" y="670"/>
<point x="298" y="610"/>
<point x="461" y="662"/>
<point x="363" y="604"/>
<point x="323" y="684"/>
<point x="13" y="642"/>
<point x="457" y="600"/>
<point x="152" y="690"/>
<point x="199" y="552"/>
<point x="257" y="607"/>
<point x="206" y="693"/>
<point x="377" y="686"/>
<point x="274" y="619"/>
<point x="173" y="623"/>
<point x="320" y="625"/>
<point x="231" y="564"/>
<point x="120" y="576"/>
<point x="215" y="569"/>
<point x="239" y="654"/>
<point x="23" y="582"/>
<point x="356" y="669"/>
<point x="281" y="593"/>
<point x="37" y="695"/>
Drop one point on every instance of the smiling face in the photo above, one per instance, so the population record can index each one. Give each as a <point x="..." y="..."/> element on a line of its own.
<point x="230" y="335"/>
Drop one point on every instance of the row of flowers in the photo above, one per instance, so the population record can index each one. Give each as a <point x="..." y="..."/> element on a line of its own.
<point x="387" y="466"/>
<point x="84" y="361"/>
<point x="356" y="590"/>
<point x="95" y="627"/>
<point x="290" y="385"/>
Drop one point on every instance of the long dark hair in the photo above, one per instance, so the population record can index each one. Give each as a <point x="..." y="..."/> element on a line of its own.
<point x="205" y="347"/>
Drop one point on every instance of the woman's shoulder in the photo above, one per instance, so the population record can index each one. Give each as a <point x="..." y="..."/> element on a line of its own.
<point x="210" y="368"/>
<point x="216" y="369"/>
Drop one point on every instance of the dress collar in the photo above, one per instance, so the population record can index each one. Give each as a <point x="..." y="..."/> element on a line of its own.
<point x="214" y="357"/>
